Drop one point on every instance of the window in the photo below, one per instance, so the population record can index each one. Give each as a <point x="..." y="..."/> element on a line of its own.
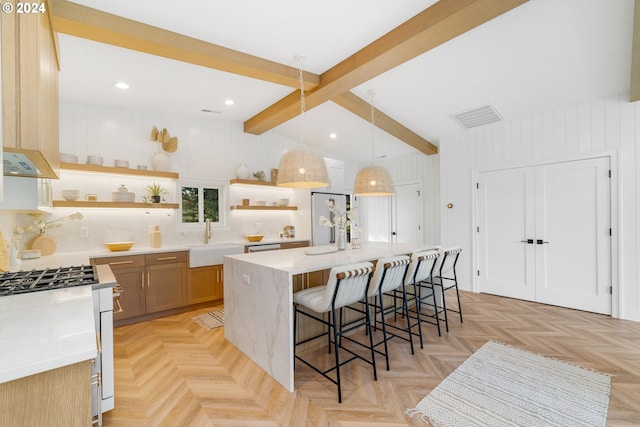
<point x="201" y="201"/>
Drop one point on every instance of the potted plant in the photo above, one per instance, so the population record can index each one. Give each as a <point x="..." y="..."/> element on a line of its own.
<point x="156" y="192"/>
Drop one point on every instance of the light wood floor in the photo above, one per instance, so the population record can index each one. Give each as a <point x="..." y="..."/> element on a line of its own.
<point x="172" y="372"/>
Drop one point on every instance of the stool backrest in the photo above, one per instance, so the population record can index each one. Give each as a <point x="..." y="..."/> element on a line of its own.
<point x="347" y="284"/>
<point x="389" y="274"/>
<point x="448" y="259"/>
<point x="421" y="266"/>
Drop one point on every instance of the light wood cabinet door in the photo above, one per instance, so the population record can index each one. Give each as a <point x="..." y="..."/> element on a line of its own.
<point x="129" y="273"/>
<point x="30" y="87"/>
<point x="205" y="284"/>
<point x="166" y="281"/>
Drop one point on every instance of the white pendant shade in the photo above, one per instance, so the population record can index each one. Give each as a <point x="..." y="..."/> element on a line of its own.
<point x="301" y="168"/>
<point x="373" y="181"/>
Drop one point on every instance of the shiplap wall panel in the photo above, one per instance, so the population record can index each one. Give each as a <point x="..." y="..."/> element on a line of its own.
<point x="603" y="124"/>
<point x="419" y="168"/>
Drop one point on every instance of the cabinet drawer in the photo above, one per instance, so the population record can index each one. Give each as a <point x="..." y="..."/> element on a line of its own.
<point x="121" y="262"/>
<point x="291" y="245"/>
<point x="166" y="258"/>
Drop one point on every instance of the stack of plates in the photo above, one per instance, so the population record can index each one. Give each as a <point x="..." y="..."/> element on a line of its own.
<point x="68" y="158"/>
<point x="122" y="163"/>
<point x="123" y="196"/>
<point x="94" y="160"/>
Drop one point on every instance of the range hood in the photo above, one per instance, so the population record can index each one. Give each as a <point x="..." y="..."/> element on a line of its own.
<point x="26" y="163"/>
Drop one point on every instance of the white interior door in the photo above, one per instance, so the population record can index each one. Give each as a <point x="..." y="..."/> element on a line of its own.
<point x="573" y="267"/>
<point x="375" y="218"/>
<point x="505" y="205"/>
<point x="544" y="234"/>
<point x="407" y="214"/>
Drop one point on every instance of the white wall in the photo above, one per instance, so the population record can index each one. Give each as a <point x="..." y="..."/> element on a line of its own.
<point x="412" y="168"/>
<point x="209" y="149"/>
<point x="598" y="126"/>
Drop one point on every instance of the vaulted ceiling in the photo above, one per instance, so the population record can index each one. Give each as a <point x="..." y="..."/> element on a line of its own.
<point x="424" y="60"/>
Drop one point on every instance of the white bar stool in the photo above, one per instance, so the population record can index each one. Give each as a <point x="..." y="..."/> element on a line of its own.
<point x="346" y="285"/>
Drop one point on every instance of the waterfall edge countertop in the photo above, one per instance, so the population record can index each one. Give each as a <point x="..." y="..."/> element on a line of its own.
<point x="258" y="299"/>
<point x="41" y="331"/>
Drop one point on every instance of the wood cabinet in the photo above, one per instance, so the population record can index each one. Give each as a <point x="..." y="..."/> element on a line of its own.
<point x="30" y="66"/>
<point x="129" y="272"/>
<point x="59" y="397"/>
<point x="166" y="281"/>
<point x="292" y="245"/>
<point x="205" y="284"/>
<point x="152" y="283"/>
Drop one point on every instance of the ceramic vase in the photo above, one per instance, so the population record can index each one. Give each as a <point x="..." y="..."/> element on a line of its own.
<point x="160" y="161"/>
<point x="342" y="239"/>
<point x="243" y="171"/>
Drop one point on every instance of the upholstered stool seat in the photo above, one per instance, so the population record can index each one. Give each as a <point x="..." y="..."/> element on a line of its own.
<point x="346" y="285"/>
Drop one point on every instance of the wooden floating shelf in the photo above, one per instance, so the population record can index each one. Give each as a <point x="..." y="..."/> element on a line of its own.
<point x="115" y="170"/>
<point x="253" y="182"/>
<point x="264" y="208"/>
<point x="98" y="204"/>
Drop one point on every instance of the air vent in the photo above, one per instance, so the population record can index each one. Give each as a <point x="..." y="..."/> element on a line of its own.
<point x="477" y="116"/>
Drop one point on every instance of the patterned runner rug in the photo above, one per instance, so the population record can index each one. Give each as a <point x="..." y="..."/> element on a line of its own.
<point x="500" y="385"/>
<point x="210" y="320"/>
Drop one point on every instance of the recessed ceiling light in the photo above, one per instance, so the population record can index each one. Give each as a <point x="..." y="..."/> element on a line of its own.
<point x="121" y="85"/>
<point x="229" y="102"/>
<point x="332" y="135"/>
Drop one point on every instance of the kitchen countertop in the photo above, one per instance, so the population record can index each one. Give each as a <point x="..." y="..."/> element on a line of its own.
<point x="82" y="258"/>
<point x="45" y="330"/>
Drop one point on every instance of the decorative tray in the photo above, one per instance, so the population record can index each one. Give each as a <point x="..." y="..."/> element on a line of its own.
<point x="319" y="250"/>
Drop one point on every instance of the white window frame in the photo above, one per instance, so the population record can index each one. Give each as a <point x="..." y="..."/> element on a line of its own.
<point x="223" y="202"/>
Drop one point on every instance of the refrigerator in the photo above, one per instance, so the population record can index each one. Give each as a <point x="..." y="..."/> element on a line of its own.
<point x="321" y="235"/>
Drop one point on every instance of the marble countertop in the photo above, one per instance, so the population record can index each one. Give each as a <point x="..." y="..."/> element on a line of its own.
<point x="65" y="259"/>
<point x="297" y="261"/>
<point x="45" y="330"/>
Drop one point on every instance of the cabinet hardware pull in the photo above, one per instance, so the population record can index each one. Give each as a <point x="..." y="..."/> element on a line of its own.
<point x="148" y="280"/>
<point x="142" y="280"/>
<point x="166" y="258"/>
<point x="98" y="342"/>
<point x="121" y="262"/>
<point x="540" y="241"/>
<point x="528" y="241"/>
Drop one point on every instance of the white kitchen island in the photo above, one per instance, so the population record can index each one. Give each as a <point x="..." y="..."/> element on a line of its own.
<point x="258" y="299"/>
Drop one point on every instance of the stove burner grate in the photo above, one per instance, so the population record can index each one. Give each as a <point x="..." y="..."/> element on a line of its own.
<point x="21" y="282"/>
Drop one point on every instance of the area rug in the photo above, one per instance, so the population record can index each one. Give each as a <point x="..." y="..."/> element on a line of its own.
<point x="500" y="385"/>
<point x="213" y="319"/>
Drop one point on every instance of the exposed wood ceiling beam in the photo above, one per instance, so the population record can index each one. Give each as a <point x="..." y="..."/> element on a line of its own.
<point x="635" y="55"/>
<point x="88" y="23"/>
<point x="362" y="109"/>
<point x="434" y="26"/>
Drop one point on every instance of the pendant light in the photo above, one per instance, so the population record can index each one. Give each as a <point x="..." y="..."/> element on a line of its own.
<point x="299" y="167"/>
<point x="373" y="180"/>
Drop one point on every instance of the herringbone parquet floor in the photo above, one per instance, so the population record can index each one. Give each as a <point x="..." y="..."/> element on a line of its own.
<point x="172" y="372"/>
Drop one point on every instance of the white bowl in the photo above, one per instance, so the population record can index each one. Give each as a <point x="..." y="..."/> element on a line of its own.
<point x="68" y="158"/>
<point x="70" y="195"/>
<point x="283" y="202"/>
<point x="261" y="203"/>
<point x="94" y="160"/>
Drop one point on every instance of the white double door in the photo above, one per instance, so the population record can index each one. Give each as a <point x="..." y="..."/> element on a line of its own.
<point x="544" y="234"/>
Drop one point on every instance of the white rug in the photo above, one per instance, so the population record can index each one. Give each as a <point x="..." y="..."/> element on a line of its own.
<point x="210" y="320"/>
<point x="500" y="385"/>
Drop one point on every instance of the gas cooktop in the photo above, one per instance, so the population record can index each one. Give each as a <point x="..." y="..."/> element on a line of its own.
<point x="21" y="282"/>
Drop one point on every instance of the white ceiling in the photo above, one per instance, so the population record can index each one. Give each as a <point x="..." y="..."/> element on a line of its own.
<point x="542" y="55"/>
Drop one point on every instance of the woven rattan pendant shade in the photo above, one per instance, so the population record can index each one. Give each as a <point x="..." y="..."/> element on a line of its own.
<point x="301" y="168"/>
<point x="373" y="181"/>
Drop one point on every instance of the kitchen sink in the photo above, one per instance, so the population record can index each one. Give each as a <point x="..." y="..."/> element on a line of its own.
<point x="212" y="254"/>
